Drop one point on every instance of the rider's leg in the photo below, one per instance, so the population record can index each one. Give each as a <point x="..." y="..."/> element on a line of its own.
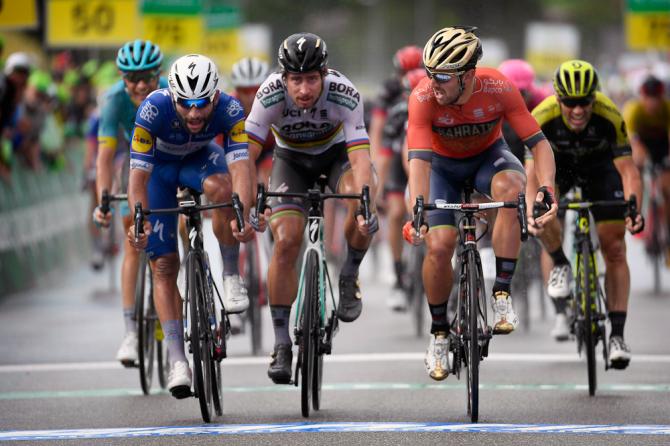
<point x="396" y="215"/>
<point x="617" y="273"/>
<point x="129" y="267"/>
<point x="218" y="189"/>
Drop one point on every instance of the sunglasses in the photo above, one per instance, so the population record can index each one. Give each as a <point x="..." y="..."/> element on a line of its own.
<point x="138" y="76"/>
<point x="574" y="102"/>
<point x="197" y="103"/>
<point x="442" y="77"/>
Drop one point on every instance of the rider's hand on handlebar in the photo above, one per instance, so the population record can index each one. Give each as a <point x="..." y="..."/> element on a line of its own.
<point x="637" y="226"/>
<point x="409" y="233"/>
<point x="259" y="222"/>
<point x="100" y="219"/>
<point x="143" y="239"/>
<point x="371" y="227"/>
<point x="246" y="234"/>
<point x="546" y="199"/>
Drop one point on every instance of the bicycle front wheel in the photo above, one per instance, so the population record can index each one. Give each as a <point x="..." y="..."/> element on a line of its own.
<point x="309" y="336"/>
<point x="588" y="289"/>
<point x="472" y="340"/>
<point x="200" y="338"/>
<point x="145" y="315"/>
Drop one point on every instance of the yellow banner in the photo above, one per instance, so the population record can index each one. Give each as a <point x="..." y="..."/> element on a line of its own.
<point x="545" y="63"/>
<point x="646" y="31"/>
<point x="223" y="46"/>
<point x="175" y="34"/>
<point x="86" y="23"/>
<point x="18" y="14"/>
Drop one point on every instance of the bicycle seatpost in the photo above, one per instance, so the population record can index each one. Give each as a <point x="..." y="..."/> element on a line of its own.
<point x="104" y="202"/>
<point x="238" y="209"/>
<point x="139" y="221"/>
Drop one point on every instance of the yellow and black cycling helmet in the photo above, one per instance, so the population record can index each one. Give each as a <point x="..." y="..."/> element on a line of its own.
<point x="454" y="48"/>
<point x="575" y="78"/>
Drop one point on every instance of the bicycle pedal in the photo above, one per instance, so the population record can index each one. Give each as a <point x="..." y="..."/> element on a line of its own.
<point x="181" y="392"/>
<point x="130" y="364"/>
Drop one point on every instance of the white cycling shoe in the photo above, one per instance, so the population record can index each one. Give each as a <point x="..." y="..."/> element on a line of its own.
<point x="437" y="357"/>
<point x="179" y="380"/>
<point x="561" y="330"/>
<point x="505" y="319"/>
<point x="560" y="280"/>
<point x="235" y="299"/>
<point x="127" y="353"/>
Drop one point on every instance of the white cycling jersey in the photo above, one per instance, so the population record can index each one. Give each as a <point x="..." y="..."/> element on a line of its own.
<point x="337" y="116"/>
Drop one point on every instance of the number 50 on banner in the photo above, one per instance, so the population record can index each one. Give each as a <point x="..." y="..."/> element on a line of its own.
<point x="88" y="23"/>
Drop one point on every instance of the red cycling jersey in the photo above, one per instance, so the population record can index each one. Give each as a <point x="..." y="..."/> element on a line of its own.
<point x="462" y="131"/>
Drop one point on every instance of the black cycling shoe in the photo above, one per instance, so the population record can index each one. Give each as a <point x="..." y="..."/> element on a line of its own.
<point x="280" y="367"/>
<point x="350" y="305"/>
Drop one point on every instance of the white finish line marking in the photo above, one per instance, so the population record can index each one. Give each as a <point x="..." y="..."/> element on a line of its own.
<point x="341" y="358"/>
<point x="246" y="429"/>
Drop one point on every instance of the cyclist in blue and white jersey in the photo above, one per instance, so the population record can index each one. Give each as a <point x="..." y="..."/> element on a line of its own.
<point x="172" y="146"/>
<point x="316" y="116"/>
<point x="139" y="63"/>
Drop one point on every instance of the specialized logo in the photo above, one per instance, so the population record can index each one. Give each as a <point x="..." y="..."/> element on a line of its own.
<point x="301" y="41"/>
<point x="238" y="134"/>
<point x="142" y="140"/>
<point x="464" y="130"/>
<point x="158" y="229"/>
<point x="149" y="112"/>
<point x="214" y="158"/>
<point x="192" y="236"/>
<point x="313" y="231"/>
<point x="234" y="108"/>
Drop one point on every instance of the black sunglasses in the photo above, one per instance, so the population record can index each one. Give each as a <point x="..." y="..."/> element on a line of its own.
<point x="442" y="78"/>
<point x="138" y="76"/>
<point x="584" y="101"/>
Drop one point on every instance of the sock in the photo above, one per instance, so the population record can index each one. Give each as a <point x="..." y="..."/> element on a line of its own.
<point x="559" y="258"/>
<point x="439" y="315"/>
<point x="353" y="261"/>
<point x="174" y="339"/>
<point x="231" y="259"/>
<point x="129" y="319"/>
<point x="504" y="272"/>
<point x="618" y="320"/>
<point x="398" y="267"/>
<point x="560" y="304"/>
<point x="280" y="315"/>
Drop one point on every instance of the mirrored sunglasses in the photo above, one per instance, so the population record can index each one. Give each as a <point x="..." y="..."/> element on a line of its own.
<point x="197" y="103"/>
<point x="442" y="77"/>
<point x="137" y="76"/>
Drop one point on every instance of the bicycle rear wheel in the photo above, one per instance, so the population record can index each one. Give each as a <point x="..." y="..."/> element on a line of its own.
<point x="146" y="322"/>
<point x="472" y="351"/>
<point x="201" y="343"/>
<point x="587" y="292"/>
<point x="309" y="336"/>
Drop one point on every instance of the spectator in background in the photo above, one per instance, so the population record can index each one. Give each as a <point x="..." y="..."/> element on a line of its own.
<point x="12" y="88"/>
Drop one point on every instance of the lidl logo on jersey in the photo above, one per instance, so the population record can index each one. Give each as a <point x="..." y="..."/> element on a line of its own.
<point x="237" y="133"/>
<point x="142" y="141"/>
<point x="149" y="112"/>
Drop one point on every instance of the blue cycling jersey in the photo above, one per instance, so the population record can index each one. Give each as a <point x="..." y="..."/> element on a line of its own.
<point x="160" y="135"/>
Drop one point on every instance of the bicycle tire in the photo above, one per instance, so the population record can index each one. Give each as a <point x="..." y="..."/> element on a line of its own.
<point x="308" y="336"/>
<point x="198" y="338"/>
<point x="472" y="348"/>
<point x="415" y="291"/>
<point x="146" y="322"/>
<point x="317" y="373"/>
<point x="253" y="290"/>
<point x="586" y="257"/>
<point x="162" y="356"/>
<point x="657" y="242"/>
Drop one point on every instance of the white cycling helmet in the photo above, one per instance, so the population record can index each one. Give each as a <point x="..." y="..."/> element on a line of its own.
<point x="18" y="61"/>
<point x="193" y="76"/>
<point x="249" y="72"/>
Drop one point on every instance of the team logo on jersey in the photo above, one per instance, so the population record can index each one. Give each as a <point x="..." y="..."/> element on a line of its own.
<point x="234" y="108"/>
<point x="478" y="113"/>
<point x="142" y="141"/>
<point x="273" y="99"/>
<point x="342" y="100"/>
<point x="175" y="124"/>
<point x="149" y="112"/>
<point x="270" y="87"/>
<point x="464" y="130"/>
<point x="237" y="133"/>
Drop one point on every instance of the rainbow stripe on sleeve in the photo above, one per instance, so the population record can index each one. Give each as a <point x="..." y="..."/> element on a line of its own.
<point x="358" y="144"/>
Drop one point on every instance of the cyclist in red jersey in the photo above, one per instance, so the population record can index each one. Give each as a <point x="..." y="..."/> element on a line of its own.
<point x="454" y="136"/>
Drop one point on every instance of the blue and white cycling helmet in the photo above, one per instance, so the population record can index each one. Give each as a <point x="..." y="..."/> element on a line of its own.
<point x="139" y="55"/>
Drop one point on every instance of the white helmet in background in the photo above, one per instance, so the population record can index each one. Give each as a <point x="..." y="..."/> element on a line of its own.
<point x="249" y="72"/>
<point x="193" y="76"/>
<point x="19" y="61"/>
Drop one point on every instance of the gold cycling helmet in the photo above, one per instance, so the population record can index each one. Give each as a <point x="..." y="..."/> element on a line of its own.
<point x="575" y="78"/>
<point x="454" y="48"/>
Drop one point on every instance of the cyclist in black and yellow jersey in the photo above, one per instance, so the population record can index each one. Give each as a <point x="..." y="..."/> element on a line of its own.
<point x="588" y="136"/>
<point x="648" y="123"/>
